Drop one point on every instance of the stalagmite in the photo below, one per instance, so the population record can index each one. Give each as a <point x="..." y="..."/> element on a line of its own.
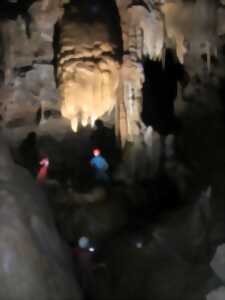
<point x="74" y="124"/>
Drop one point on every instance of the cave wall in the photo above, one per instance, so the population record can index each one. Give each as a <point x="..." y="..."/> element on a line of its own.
<point x="192" y="28"/>
<point x="87" y="50"/>
<point x="35" y="262"/>
<point x="95" y="79"/>
<point x="143" y="36"/>
<point x="27" y="63"/>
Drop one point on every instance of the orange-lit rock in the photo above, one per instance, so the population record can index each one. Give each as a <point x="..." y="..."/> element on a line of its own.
<point x="88" y="72"/>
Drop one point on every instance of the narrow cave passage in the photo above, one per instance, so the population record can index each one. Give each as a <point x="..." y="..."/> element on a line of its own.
<point x="159" y="93"/>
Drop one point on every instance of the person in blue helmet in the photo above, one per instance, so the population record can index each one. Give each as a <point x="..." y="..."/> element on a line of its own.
<point x="100" y="166"/>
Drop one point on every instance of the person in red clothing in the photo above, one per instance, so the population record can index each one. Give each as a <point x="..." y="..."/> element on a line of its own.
<point x="43" y="171"/>
<point x="84" y="263"/>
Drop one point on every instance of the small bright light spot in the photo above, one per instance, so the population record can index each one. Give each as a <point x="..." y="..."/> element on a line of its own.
<point x="92" y="249"/>
<point x="139" y="245"/>
<point x="93" y="119"/>
<point x="74" y="124"/>
<point x="84" y="122"/>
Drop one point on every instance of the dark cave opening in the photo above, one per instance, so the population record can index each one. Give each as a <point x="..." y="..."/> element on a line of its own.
<point x="56" y="49"/>
<point x="160" y="91"/>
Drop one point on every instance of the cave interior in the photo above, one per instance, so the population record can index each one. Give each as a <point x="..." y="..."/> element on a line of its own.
<point x="112" y="166"/>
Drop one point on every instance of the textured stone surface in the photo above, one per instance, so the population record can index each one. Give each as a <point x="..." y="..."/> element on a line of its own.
<point x="218" y="294"/>
<point x="218" y="262"/>
<point x="27" y="63"/>
<point x="34" y="262"/>
<point x="186" y="23"/>
<point x="87" y="71"/>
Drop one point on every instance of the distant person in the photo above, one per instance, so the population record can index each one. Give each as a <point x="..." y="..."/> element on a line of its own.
<point x="43" y="171"/>
<point x="29" y="153"/>
<point x="104" y="138"/>
<point x="100" y="166"/>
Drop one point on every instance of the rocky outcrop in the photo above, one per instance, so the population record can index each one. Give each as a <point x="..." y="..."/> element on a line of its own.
<point x="218" y="266"/>
<point x="28" y="63"/>
<point x="34" y="262"/>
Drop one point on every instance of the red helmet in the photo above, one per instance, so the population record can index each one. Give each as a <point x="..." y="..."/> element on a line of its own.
<point x="44" y="162"/>
<point x="96" y="152"/>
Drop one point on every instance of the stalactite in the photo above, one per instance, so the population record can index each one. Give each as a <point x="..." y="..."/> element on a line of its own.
<point x="88" y="72"/>
<point x="140" y="45"/>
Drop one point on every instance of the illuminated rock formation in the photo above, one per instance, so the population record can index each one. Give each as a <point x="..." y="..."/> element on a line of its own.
<point x="192" y="28"/>
<point x="143" y="17"/>
<point x="92" y="81"/>
<point x="143" y="36"/>
<point x="87" y="71"/>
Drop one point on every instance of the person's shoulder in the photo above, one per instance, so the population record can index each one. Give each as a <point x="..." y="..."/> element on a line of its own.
<point x="93" y="160"/>
<point x="101" y="158"/>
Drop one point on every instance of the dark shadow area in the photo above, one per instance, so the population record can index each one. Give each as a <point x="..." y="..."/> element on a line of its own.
<point x="104" y="139"/>
<point x="56" y="49"/>
<point x="160" y="91"/>
<point x="28" y="153"/>
<point x="222" y="95"/>
<point x="10" y="10"/>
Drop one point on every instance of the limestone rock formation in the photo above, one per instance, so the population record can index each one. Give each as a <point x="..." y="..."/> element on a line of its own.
<point x="143" y="36"/>
<point x="87" y="70"/>
<point x="143" y="27"/>
<point x="186" y="25"/>
<point x="27" y="63"/>
<point x="34" y="262"/>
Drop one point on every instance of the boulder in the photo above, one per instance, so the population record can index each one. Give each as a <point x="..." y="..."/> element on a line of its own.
<point x="218" y="294"/>
<point x="34" y="261"/>
<point x="218" y="262"/>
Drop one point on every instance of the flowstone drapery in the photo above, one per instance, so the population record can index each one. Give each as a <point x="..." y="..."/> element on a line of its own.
<point x="91" y="81"/>
<point x="87" y="71"/>
<point x="143" y="36"/>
